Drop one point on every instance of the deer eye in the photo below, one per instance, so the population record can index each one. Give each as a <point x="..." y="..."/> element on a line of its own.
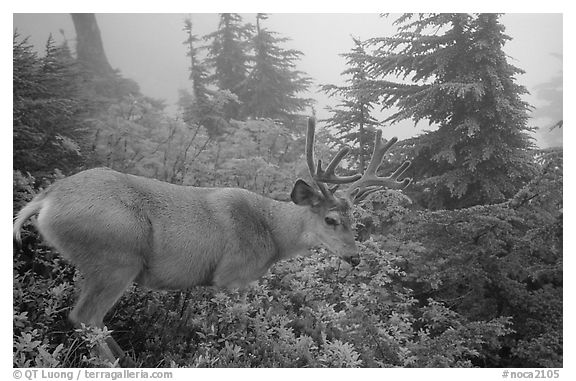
<point x="331" y="221"/>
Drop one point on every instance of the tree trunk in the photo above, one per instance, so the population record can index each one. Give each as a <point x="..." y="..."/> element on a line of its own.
<point x="89" y="47"/>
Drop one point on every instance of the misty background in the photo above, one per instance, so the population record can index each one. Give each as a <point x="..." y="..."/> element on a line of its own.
<point x="462" y="268"/>
<point x="149" y="49"/>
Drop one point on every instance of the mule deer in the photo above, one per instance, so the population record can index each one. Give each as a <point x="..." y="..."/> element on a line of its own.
<point x="119" y="229"/>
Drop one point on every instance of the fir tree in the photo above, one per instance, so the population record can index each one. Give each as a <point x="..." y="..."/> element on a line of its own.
<point x="47" y="115"/>
<point x="227" y="55"/>
<point x="202" y="106"/>
<point x="273" y="84"/>
<point x="461" y="82"/>
<point x="352" y="118"/>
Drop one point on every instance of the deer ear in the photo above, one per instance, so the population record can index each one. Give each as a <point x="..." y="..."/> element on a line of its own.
<point x="304" y="194"/>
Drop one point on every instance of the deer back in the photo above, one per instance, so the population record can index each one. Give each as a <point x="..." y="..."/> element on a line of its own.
<point x="179" y="236"/>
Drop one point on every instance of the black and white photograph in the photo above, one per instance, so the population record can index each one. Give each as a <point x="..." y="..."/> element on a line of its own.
<point x="287" y="190"/>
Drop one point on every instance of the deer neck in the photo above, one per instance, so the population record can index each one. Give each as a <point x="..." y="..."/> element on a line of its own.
<point x="291" y="228"/>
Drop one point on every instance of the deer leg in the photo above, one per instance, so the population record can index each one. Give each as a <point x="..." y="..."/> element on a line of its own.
<point x="244" y="303"/>
<point x="102" y="288"/>
<point x="118" y="353"/>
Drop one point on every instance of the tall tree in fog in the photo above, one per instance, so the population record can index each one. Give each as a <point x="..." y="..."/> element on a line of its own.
<point x="456" y="75"/>
<point x="228" y="55"/>
<point x="203" y="105"/>
<point x="100" y="79"/>
<point x="273" y="84"/>
<point x="352" y="118"/>
<point x="89" y="47"/>
<point x="48" y="128"/>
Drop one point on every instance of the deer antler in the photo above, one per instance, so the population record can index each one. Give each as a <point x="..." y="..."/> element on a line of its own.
<point x="321" y="176"/>
<point x="362" y="185"/>
<point x="370" y="182"/>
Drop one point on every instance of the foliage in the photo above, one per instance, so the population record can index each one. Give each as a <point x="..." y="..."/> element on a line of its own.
<point x="496" y="260"/>
<point x="309" y="312"/>
<point x="42" y="291"/>
<point x="203" y="105"/>
<point x="249" y="62"/>
<point x="399" y="307"/>
<point x="356" y="107"/>
<point x="48" y="132"/>
<point x="136" y="136"/>
<point x="272" y="85"/>
<point x="455" y="75"/>
<point x="480" y="286"/>
<point x="256" y="155"/>
<point x="227" y="55"/>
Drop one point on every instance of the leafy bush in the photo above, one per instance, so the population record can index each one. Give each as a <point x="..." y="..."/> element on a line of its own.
<point x="493" y="261"/>
<point x="472" y="287"/>
<point x="480" y="286"/>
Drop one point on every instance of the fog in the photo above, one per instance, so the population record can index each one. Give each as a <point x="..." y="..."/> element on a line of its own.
<point x="149" y="49"/>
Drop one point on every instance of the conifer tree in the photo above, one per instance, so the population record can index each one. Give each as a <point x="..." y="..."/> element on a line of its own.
<point x="455" y="75"/>
<point x="203" y="105"/>
<point x="48" y="130"/>
<point x="228" y="55"/>
<point x="272" y="87"/>
<point x="352" y="118"/>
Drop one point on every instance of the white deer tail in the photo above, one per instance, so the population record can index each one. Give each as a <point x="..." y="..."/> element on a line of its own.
<point x="28" y="211"/>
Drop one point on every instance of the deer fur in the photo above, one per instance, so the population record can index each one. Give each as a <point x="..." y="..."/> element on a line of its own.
<point x="119" y="229"/>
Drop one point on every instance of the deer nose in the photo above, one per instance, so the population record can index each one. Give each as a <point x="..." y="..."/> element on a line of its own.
<point x="353" y="260"/>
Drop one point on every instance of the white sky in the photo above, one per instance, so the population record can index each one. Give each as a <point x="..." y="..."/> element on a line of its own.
<point x="148" y="48"/>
